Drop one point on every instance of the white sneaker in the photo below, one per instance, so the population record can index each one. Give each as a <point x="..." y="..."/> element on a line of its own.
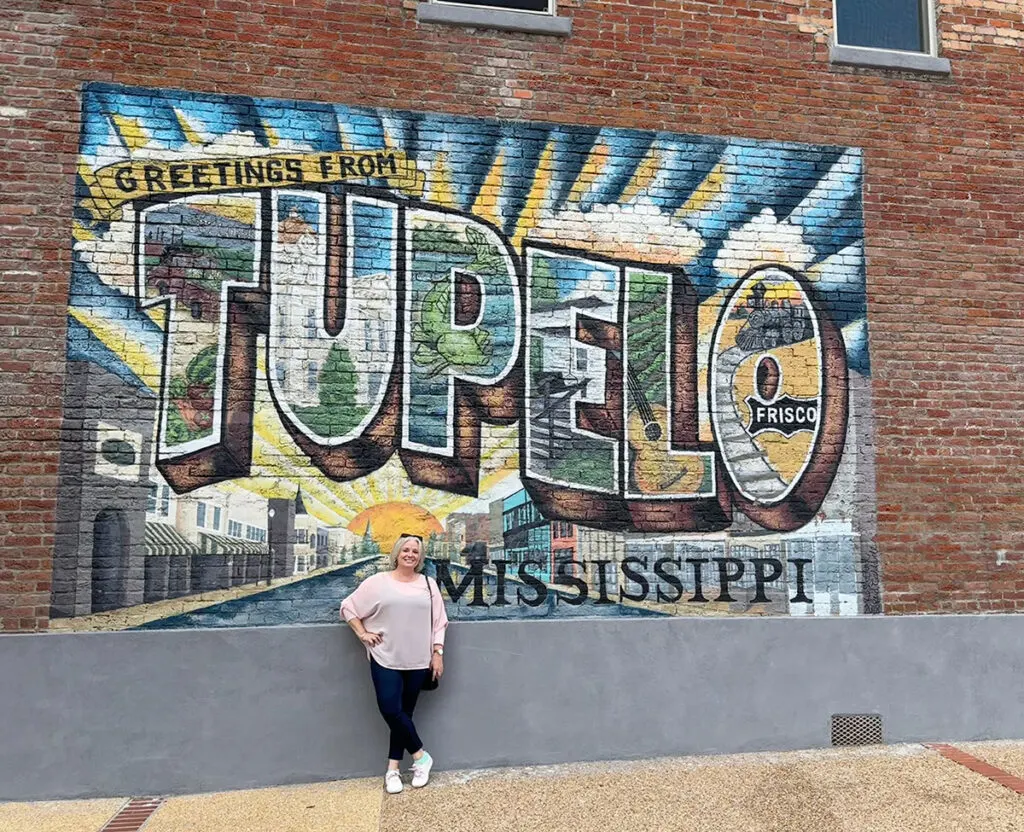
<point x="392" y="781"/>
<point x="421" y="770"/>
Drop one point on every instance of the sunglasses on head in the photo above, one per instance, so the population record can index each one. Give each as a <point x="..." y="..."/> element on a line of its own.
<point x="409" y="534"/>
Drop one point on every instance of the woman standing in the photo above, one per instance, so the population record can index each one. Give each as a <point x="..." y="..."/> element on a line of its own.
<point x="400" y="617"/>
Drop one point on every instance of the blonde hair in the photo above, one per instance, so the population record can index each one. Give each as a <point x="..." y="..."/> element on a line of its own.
<point x="393" y="557"/>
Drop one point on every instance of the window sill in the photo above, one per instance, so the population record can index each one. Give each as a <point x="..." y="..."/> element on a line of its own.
<point x="887" y="59"/>
<point x="535" y="24"/>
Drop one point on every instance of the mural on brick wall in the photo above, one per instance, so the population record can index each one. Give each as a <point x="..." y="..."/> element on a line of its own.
<point x="603" y="372"/>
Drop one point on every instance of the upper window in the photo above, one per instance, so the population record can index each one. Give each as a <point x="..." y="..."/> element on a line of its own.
<point x="904" y="25"/>
<point x="542" y="6"/>
<point x="530" y="16"/>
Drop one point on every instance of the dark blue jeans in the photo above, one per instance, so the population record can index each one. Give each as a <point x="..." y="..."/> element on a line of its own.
<point x="397" y="692"/>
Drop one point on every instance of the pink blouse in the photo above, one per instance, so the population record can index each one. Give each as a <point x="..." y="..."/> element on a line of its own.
<point x="410" y="621"/>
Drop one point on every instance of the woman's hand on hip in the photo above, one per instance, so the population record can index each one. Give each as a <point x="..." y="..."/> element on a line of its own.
<point x="436" y="666"/>
<point x="370" y="639"/>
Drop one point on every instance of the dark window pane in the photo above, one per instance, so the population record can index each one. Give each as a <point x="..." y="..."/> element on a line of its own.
<point x="518" y="5"/>
<point x="882" y="24"/>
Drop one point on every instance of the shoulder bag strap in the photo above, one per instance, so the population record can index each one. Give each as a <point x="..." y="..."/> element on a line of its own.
<point x="430" y="615"/>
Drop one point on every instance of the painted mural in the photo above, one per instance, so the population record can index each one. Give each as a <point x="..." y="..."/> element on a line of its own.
<point x="603" y="372"/>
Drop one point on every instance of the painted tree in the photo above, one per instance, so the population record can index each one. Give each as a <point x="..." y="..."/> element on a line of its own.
<point x="336" y="413"/>
<point x="368" y="547"/>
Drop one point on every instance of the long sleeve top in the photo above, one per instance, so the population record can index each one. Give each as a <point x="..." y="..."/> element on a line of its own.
<point x="410" y="618"/>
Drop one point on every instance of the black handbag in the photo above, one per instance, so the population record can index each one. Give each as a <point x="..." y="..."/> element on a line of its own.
<point x="429" y="682"/>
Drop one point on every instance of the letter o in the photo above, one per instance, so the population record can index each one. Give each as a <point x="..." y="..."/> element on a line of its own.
<point x="367" y="162"/>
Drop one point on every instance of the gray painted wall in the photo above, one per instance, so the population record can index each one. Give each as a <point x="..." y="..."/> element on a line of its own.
<point x="184" y="711"/>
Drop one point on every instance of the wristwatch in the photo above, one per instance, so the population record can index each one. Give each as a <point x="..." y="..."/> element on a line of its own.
<point x="439" y="651"/>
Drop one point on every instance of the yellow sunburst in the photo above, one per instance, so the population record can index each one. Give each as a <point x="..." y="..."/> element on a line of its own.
<point x="535" y="199"/>
<point x="131" y="131"/>
<point x="643" y="176"/>
<point x="123" y="344"/>
<point x="709" y="189"/>
<point x="596" y="162"/>
<point x="486" y="204"/>
<point x="389" y="520"/>
<point x="438" y="188"/>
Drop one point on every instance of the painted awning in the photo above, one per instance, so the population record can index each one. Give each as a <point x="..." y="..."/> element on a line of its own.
<point x="163" y="540"/>
<point x="212" y="544"/>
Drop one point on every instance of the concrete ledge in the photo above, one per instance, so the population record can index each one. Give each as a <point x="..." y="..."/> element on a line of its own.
<point x="888" y="59"/>
<point x="535" y="24"/>
<point x="185" y="711"/>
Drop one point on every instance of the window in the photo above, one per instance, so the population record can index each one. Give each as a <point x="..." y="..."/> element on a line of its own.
<point x="197" y="310"/>
<point x="581" y="359"/>
<point x="904" y="25"/>
<point x="542" y="6"/>
<point x="216" y="518"/>
<point x="151" y="501"/>
<point x="234" y="528"/>
<point x="884" y="24"/>
<point x="201" y="515"/>
<point x="887" y="34"/>
<point x="535" y="16"/>
<point x="252" y="533"/>
<point x="165" y="500"/>
<point x="311" y="323"/>
<point x="312" y="372"/>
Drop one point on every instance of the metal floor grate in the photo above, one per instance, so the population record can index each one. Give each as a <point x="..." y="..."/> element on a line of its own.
<point x="856" y="729"/>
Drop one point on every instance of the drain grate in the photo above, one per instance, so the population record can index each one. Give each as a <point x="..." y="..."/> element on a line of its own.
<point x="856" y="729"/>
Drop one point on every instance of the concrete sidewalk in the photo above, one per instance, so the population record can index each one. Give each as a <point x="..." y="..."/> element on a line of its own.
<point x="909" y="788"/>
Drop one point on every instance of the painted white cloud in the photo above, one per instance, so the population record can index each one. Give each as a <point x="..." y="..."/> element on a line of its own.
<point x="764" y="239"/>
<point x="636" y="231"/>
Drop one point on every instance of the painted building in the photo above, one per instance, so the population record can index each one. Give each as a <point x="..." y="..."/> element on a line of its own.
<point x="341" y="545"/>
<point x="464" y="531"/>
<point x="527" y="535"/>
<point x="308" y="542"/>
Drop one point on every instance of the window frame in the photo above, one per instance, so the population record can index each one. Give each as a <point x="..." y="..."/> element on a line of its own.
<point x="551" y="12"/>
<point x="883" y="58"/>
<point x="457" y="13"/>
<point x="930" y="31"/>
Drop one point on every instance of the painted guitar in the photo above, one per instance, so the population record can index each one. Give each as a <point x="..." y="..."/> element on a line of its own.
<point x="652" y="465"/>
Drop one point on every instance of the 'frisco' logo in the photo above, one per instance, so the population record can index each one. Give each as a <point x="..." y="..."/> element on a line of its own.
<point x="785" y="415"/>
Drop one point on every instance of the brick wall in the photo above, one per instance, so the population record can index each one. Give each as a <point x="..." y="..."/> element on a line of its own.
<point x="939" y="205"/>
